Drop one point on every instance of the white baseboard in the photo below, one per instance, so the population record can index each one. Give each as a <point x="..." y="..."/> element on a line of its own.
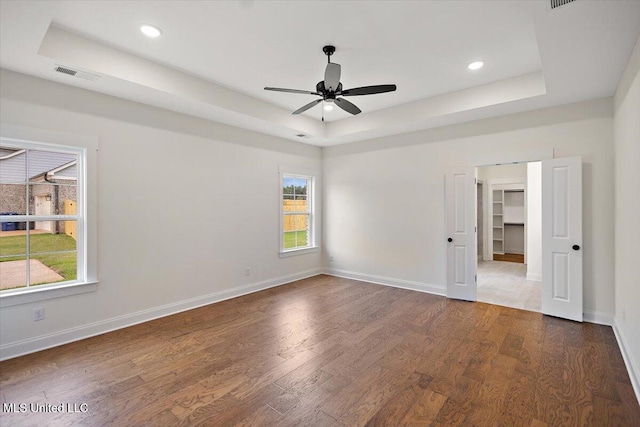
<point x="632" y="369"/>
<point x="387" y="281"/>
<point x="32" y="345"/>
<point x="597" y="317"/>
<point x="534" y="277"/>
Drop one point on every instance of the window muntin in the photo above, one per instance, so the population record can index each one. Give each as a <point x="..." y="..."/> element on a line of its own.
<point x="296" y="212"/>
<point x="41" y="211"/>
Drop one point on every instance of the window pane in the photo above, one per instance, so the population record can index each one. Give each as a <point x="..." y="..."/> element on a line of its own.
<point x="288" y="187"/>
<point x="52" y="199"/>
<point x="300" y="204"/>
<point x="53" y="252"/>
<point x="295" y="231"/>
<point x="13" y="165"/>
<point x="300" y="186"/>
<point x="12" y="245"/>
<point x="13" y="271"/>
<point x="289" y="220"/>
<point x="49" y="166"/>
<point x="289" y="238"/>
<point x="52" y="236"/>
<point x="52" y="268"/>
<point x="301" y="238"/>
<point x="13" y="199"/>
<point x="13" y="264"/>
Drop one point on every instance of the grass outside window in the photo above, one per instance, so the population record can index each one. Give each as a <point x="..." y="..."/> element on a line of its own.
<point x="295" y="239"/>
<point x="49" y="249"/>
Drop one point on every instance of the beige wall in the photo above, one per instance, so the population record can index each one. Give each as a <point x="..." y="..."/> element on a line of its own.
<point x="173" y="231"/>
<point x="404" y="242"/>
<point x="627" y="214"/>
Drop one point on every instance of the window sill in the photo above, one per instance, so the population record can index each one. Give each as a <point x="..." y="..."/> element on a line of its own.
<point x="46" y="293"/>
<point x="294" y="252"/>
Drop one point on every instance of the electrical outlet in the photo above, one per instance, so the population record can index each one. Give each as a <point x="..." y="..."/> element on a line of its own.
<point x="38" y="314"/>
<point x="247" y="271"/>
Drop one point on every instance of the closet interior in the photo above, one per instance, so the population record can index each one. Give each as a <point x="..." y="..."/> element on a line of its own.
<point x="508" y="221"/>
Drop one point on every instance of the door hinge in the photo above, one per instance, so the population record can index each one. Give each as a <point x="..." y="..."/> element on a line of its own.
<point x="476" y="276"/>
<point x="475" y="229"/>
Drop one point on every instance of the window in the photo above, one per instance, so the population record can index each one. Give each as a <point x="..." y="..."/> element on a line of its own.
<point x="42" y="241"/>
<point x="296" y="212"/>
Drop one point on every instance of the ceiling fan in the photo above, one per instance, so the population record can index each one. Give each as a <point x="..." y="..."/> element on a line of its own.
<point x="331" y="88"/>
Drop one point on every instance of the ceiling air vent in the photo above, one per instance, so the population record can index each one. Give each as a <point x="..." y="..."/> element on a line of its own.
<point x="66" y="70"/>
<point x="75" y="73"/>
<point x="559" y="3"/>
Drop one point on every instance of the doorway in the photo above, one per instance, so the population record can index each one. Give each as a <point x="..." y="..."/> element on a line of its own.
<point x="560" y="256"/>
<point x="43" y="207"/>
<point x="509" y="201"/>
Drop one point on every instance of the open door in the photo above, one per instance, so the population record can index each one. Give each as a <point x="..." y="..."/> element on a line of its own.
<point x="562" y="238"/>
<point x="460" y="193"/>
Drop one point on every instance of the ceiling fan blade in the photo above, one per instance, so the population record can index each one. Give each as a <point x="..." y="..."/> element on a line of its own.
<point x="332" y="76"/>
<point x="367" y="90"/>
<point x="306" y="107"/>
<point x="347" y="106"/>
<point x="304" y="92"/>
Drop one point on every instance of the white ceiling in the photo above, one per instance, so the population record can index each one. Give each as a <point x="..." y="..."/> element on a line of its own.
<point x="214" y="58"/>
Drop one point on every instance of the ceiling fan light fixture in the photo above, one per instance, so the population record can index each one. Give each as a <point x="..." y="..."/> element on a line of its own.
<point x="476" y="65"/>
<point x="150" y="30"/>
<point x="328" y="107"/>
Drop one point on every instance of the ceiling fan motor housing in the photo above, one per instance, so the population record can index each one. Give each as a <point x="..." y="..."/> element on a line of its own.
<point x="327" y="94"/>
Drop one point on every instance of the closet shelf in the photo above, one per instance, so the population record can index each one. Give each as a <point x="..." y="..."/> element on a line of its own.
<point x="508" y="221"/>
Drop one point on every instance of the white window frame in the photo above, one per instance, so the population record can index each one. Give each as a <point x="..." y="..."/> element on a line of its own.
<point x="311" y="221"/>
<point x="85" y="148"/>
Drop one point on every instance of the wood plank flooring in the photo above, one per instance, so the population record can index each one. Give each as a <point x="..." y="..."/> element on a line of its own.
<point x="331" y="351"/>
<point x="519" y="258"/>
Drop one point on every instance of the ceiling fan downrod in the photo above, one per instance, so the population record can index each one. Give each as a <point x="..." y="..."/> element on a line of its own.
<point x="329" y="50"/>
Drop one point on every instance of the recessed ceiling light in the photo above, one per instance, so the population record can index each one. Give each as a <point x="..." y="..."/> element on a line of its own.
<point x="328" y="107"/>
<point x="150" y="30"/>
<point x="475" y="65"/>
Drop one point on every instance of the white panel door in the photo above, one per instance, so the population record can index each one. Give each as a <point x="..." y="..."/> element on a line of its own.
<point x="562" y="238"/>
<point x="460" y="194"/>
<point x="43" y="207"/>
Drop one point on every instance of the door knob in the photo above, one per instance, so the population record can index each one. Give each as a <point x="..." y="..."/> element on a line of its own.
<point x="576" y="247"/>
<point x="449" y="239"/>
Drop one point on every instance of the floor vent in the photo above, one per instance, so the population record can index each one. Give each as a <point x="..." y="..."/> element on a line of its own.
<point x="559" y="3"/>
<point x="75" y="73"/>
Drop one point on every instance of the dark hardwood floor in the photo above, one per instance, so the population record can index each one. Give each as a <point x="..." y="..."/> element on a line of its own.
<point x="331" y="351"/>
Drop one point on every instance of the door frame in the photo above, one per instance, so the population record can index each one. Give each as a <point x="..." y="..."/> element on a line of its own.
<point x="523" y="158"/>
